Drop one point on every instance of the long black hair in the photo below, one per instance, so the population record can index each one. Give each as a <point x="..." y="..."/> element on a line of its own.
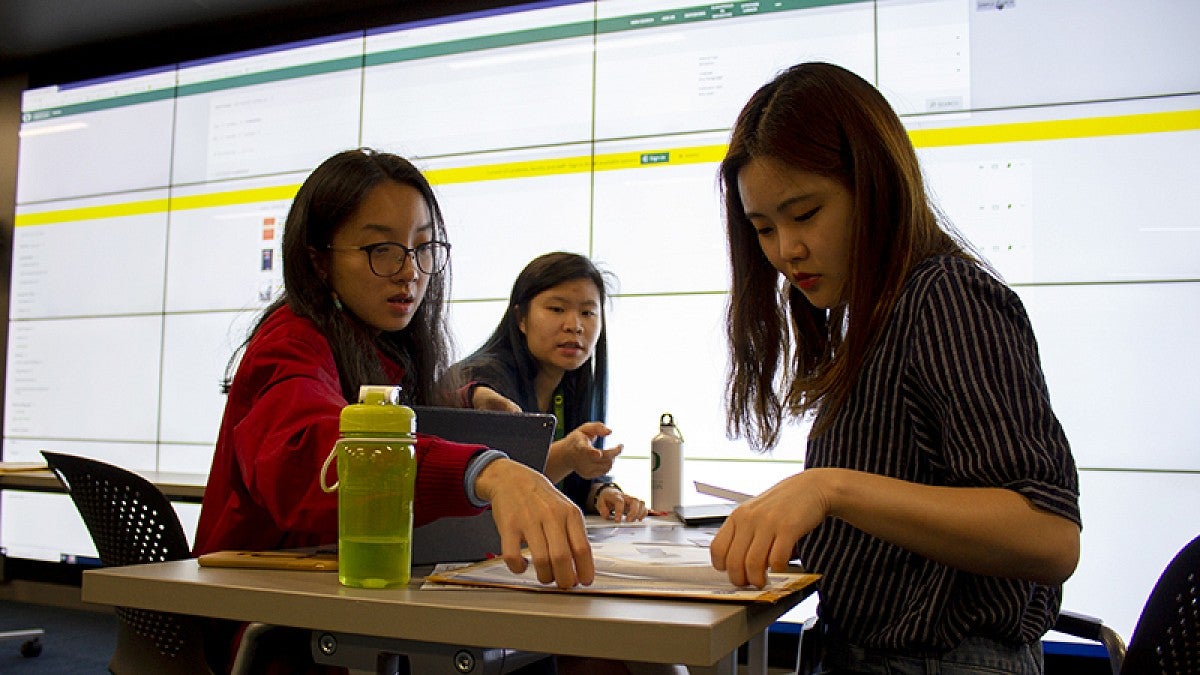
<point x="328" y="197"/>
<point x="506" y="351"/>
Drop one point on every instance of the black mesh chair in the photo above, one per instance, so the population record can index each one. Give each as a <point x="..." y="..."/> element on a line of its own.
<point x="132" y="522"/>
<point x="1166" y="640"/>
<point x="31" y="640"/>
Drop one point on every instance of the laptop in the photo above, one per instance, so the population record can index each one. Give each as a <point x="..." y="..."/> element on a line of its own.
<point x="524" y="437"/>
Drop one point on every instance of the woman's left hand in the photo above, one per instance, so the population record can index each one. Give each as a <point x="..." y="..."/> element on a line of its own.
<point x="762" y="532"/>
<point x="614" y="504"/>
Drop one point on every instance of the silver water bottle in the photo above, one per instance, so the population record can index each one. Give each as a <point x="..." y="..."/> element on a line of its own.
<point x="666" y="466"/>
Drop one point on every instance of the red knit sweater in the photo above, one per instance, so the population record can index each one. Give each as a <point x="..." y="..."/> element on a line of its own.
<point x="280" y="422"/>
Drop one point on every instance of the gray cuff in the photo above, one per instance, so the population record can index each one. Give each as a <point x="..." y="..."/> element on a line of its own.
<point x="478" y="463"/>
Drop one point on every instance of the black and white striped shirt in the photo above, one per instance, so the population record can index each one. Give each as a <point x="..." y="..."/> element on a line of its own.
<point x="952" y="394"/>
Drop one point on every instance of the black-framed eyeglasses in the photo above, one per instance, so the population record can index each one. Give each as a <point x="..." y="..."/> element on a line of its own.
<point x="386" y="258"/>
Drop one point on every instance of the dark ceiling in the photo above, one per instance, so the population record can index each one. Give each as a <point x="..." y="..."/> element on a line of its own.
<point x="66" y="40"/>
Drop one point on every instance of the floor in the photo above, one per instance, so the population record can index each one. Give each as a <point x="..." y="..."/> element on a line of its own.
<point x="76" y="641"/>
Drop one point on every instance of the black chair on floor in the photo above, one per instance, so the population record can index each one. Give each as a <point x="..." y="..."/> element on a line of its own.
<point x="1166" y="640"/>
<point x="132" y="522"/>
<point x="31" y="640"/>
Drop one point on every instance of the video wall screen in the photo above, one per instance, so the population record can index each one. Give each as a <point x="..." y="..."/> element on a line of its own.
<point x="151" y="206"/>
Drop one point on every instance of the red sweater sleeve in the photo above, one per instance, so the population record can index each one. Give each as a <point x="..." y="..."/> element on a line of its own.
<point x="280" y="424"/>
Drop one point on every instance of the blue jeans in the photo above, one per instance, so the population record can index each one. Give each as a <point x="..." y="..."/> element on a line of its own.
<point x="975" y="656"/>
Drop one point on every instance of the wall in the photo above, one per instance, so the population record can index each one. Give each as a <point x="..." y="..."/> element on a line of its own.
<point x="11" y="87"/>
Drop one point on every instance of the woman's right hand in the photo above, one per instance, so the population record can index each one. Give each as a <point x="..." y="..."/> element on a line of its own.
<point x="575" y="452"/>
<point x="484" y="398"/>
<point x="528" y="508"/>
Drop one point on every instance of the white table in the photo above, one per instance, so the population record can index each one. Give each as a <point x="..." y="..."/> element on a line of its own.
<point x="705" y="636"/>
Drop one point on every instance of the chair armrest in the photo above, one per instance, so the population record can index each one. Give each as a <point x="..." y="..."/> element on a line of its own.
<point x="1091" y="628"/>
<point x="1079" y="625"/>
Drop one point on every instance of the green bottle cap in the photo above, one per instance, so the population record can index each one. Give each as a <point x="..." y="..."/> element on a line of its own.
<point x="378" y="411"/>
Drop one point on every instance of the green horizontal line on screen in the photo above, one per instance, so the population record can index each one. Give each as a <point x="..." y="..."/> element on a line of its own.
<point x="482" y="43"/>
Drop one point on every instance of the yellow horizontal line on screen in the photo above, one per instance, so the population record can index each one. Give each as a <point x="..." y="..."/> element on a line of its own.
<point x="1012" y="132"/>
<point x="1052" y="130"/>
<point x="159" y="205"/>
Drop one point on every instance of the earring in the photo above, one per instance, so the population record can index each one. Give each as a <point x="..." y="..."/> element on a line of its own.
<point x="337" y="302"/>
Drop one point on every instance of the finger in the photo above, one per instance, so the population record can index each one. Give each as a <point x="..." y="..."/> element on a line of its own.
<point x="604" y="508"/>
<point x="601" y="466"/>
<point x="756" y="559"/>
<point x="561" y="558"/>
<point x="634" y="509"/>
<point x="581" y="550"/>
<point x="735" y="555"/>
<point x="619" y="506"/>
<point x="611" y="453"/>
<point x="640" y="510"/>
<point x="593" y="429"/>
<point x="718" y="548"/>
<point x="539" y="550"/>
<point x="510" y="548"/>
<point x="781" y="553"/>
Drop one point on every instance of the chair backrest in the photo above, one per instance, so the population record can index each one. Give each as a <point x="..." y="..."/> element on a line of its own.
<point x="1167" y="637"/>
<point x="131" y="521"/>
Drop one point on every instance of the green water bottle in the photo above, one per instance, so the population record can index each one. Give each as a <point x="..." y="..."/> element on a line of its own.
<point x="376" y="469"/>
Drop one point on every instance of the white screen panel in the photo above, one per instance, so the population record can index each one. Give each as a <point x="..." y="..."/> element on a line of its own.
<point x="27" y="517"/>
<point x="925" y="54"/>
<point x="473" y="322"/>
<point x="658" y="217"/>
<point x="707" y="62"/>
<point x="1079" y="194"/>
<point x="498" y="81"/>
<point x="1062" y="51"/>
<point x="71" y="260"/>
<point x="1121" y="365"/>
<point x="275" y="110"/>
<point x="504" y="209"/>
<point x="225" y="248"/>
<point x="133" y="456"/>
<point x="123" y="122"/>
<point x="668" y="354"/>
<point x="93" y="378"/>
<point x="48" y="527"/>
<point x="1131" y="529"/>
<point x="196" y="350"/>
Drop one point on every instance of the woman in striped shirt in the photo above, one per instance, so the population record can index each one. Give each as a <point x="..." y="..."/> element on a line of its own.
<point x="939" y="498"/>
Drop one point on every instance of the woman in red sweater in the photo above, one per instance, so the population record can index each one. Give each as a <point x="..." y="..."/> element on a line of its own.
<point x="366" y="276"/>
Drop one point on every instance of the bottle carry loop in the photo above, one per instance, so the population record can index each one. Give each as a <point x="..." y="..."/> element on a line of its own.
<point x="325" y="470"/>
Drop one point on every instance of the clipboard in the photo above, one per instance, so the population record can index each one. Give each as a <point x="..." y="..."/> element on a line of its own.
<point x="313" y="560"/>
<point x="628" y="569"/>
